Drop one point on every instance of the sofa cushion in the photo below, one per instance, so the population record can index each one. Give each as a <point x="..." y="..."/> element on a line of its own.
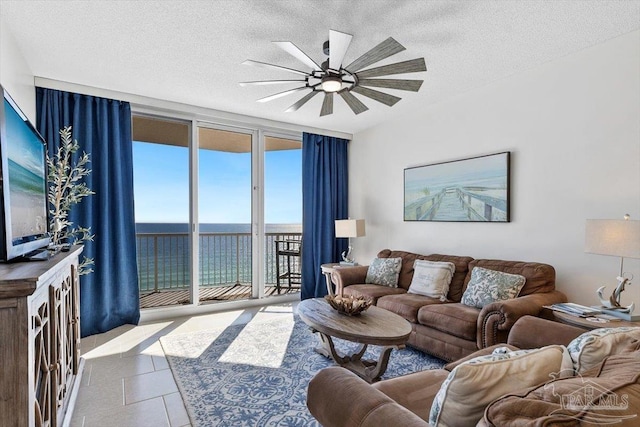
<point x="384" y="271"/>
<point x="453" y="318"/>
<point x="471" y="386"/>
<point x="590" y="348"/>
<point x="432" y="278"/>
<point x="372" y="291"/>
<point x="406" y="304"/>
<point x="487" y="286"/>
<point x="406" y="272"/>
<point x="610" y="395"/>
<point x="539" y="277"/>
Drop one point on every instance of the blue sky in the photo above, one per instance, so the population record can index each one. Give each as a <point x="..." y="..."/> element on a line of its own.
<point x="161" y="185"/>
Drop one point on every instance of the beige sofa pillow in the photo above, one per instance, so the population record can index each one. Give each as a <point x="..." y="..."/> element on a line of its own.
<point x="432" y="278"/>
<point x="589" y="349"/>
<point x="471" y="386"/>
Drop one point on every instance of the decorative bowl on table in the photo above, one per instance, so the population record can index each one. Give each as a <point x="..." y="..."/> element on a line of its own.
<point x="349" y="305"/>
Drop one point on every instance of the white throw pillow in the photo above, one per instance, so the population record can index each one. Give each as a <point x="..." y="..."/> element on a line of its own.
<point x="487" y="286"/>
<point x="590" y="348"/>
<point x="432" y="278"/>
<point x="472" y="385"/>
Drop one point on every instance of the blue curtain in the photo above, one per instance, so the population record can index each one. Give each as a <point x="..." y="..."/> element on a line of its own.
<point x="109" y="296"/>
<point x="324" y="199"/>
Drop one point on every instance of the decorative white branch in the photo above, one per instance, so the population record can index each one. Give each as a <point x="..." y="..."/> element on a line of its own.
<point x="67" y="188"/>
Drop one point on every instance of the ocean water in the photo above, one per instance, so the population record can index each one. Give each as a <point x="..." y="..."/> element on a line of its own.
<point x="224" y="254"/>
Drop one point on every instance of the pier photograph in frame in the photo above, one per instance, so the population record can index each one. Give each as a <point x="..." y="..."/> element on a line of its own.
<point x="475" y="189"/>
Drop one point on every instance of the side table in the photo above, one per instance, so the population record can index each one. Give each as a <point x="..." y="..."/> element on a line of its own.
<point x="327" y="269"/>
<point x="583" y="323"/>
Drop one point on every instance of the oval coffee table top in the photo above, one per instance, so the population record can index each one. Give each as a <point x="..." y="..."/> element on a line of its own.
<point x="374" y="326"/>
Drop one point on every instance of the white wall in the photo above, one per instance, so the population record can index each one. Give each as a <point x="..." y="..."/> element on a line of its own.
<point x="573" y="128"/>
<point x="15" y="75"/>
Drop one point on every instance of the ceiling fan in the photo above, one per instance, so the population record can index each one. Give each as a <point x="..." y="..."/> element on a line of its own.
<point x="331" y="77"/>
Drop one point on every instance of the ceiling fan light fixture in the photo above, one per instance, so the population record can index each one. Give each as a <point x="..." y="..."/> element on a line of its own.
<point x="332" y="77"/>
<point x="331" y="84"/>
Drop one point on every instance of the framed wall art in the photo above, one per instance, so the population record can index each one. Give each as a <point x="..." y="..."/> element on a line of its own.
<point x="468" y="190"/>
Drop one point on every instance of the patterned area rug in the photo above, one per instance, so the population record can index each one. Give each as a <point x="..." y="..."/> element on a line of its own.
<point x="257" y="374"/>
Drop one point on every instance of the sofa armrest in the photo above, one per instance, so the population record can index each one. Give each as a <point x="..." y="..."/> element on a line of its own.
<point x="345" y="276"/>
<point x="534" y="332"/>
<point x="497" y="318"/>
<point x="337" y="397"/>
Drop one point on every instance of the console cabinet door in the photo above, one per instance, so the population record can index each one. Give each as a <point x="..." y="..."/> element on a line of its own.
<point x="65" y="340"/>
<point x="43" y="362"/>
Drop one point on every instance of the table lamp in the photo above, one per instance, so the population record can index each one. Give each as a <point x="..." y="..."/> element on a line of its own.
<point x="349" y="228"/>
<point x="619" y="238"/>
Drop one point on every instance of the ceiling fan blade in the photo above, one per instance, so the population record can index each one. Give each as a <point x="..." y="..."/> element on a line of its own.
<point x="270" y="82"/>
<point x="301" y="102"/>
<point x="327" y="104"/>
<point x="277" y="67"/>
<point x="412" y="85"/>
<point x="411" y="66"/>
<point x="281" y="94"/>
<point x="338" y="45"/>
<point x="384" y="50"/>
<point x="385" y="98"/>
<point x="295" y="51"/>
<point x="353" y="102"/>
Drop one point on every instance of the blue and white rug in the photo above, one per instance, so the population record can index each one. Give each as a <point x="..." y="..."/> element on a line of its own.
<point x="257" y="374"/>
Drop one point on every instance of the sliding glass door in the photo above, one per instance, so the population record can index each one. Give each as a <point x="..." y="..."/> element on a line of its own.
<point x="161" y="195"/>
<point x="282" y="214"/>
<point x="213" y="202"/>
<point x="224" y="213"/>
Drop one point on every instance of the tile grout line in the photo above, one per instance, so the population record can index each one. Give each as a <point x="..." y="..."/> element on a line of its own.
<point x="166" y="410"/>
<point x="90" y="372"/>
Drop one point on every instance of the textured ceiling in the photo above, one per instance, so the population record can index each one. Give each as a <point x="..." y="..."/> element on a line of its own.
<point x="191" y="51"/>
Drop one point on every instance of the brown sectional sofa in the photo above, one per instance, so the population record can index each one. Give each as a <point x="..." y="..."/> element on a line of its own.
<point x="451" y="330"/>
<point x="406" y="401"/>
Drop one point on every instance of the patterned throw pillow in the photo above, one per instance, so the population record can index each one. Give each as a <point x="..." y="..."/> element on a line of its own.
<point x="472" y="385"/>
<point x="432" y="278"/>
<point x="487" y="286"/>
<point x="384" y="271"/>
<point x="590" y="348"/>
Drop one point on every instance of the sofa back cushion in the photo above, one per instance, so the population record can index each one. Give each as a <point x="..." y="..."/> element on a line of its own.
<point x="406" y="272"/>
<point x="539" y="277"/>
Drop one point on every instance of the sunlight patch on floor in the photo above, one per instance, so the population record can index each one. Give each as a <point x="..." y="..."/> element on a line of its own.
<point x="123" y="339"/>
<point x="252" y="341"/>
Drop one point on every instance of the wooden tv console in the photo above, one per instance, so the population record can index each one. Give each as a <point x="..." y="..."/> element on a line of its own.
<point x="39" y="340"/>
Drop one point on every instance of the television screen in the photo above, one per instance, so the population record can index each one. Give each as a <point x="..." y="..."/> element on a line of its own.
<point x="27" y="191"/>
<point x="23" y="185"/>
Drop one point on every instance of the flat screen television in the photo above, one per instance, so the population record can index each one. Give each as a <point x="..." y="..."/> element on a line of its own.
<point x="24" y="224"/>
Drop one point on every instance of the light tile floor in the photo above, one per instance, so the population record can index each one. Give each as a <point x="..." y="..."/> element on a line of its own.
<point x="127" y="380"/>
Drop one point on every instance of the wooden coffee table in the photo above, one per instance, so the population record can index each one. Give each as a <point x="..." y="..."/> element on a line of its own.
<point x="375" y="326"/>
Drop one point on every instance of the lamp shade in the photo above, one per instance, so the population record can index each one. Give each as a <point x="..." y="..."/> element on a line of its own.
<point x="613" y="237"/>
<point x="350" y="228"/>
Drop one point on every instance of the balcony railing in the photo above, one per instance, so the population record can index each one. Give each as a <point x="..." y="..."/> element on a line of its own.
<point x="225" y="259"/>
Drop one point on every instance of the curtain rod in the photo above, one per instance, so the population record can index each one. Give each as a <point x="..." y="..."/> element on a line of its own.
<point x="140" y="101"/>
